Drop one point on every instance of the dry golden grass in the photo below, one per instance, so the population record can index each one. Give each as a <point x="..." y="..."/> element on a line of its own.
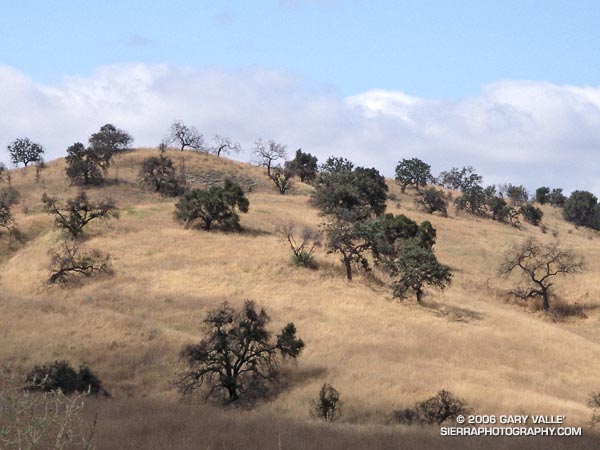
<point x="380" y="353"/>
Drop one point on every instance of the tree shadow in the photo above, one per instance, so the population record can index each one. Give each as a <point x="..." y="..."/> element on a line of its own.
<point x="453" y="313"/>
<point x="253" y="232"/>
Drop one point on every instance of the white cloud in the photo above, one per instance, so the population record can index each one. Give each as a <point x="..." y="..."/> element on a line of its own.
<point x="520" y="131"/>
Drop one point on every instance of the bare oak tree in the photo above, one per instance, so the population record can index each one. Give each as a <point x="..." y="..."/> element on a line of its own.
<point x="266" y="153"/>
<point x="539" y="264"/>
<point x="185" y="136"/>
<point x="224" y="145"/>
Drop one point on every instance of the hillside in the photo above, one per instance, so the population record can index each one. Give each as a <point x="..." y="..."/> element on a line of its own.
<point x="380" y="353"/>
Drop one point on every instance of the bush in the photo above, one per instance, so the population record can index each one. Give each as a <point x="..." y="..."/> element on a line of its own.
<point x="59" y="375"/>
<point x="436" y="410"/>
<point x="9" y="196"/>
<point x="302" y="243"/>
<point x="47" y="420"/>
<point x="327" y="405"/>
<point x="582" y="208"/>
<point x="215" y="205"/>
<point x="531" y="214"/>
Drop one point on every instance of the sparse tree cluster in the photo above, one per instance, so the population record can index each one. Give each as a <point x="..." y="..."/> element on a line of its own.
<point x="89" y="165"/>
<point x="71" y="259"/>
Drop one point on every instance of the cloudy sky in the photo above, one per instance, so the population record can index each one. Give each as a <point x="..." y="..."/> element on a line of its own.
<point x="511" y="87"/>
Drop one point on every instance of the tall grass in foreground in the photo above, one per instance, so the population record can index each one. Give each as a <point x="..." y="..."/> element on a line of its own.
<point x="152" y="425"/>
<point x="48" y="421"/>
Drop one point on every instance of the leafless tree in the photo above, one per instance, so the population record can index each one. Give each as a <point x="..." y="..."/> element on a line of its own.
<point x="539" y="264"/>
<point x="185" y="136"/>
<point x="302" y="240"/>
<point x="266" y="153"/>
<point x="224" y="145"/>
<point x="70" y="259"/>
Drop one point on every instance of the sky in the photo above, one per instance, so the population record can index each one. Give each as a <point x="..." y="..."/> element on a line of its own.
<point x="511" y="88"/>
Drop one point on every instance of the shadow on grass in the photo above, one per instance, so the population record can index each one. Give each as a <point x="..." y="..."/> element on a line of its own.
<point x="453" y="313"/>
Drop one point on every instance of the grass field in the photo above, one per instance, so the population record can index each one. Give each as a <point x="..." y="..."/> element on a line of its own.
<point x="380" y="353"/>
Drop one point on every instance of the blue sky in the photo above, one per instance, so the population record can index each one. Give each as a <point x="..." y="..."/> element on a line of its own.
<point x="431" y="49"/>
<point x="509" y="87"/>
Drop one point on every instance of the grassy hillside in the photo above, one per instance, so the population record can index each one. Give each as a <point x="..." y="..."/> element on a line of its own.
<point x="380" y="353"/>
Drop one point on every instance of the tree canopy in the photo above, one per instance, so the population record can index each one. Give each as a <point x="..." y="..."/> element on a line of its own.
<point x="237" y="357"/>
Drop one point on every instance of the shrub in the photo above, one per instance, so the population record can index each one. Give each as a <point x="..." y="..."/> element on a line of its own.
<point x="302" y="242"/>
<point x="436" y="410"/>
<point x="542" y="195"/>
<point x="557" y="198"/>
<point x="531" y="214"/>
<point x="59" y="375"/>
<point x="582" y="208"/>
<point x="594" y="403"/>
<point x="45" y="420"/>
<point x="327" y="405"/>
<point x="215" y="205"/>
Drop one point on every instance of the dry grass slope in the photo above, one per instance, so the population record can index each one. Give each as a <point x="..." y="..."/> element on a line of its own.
<point x="380" y="353"/>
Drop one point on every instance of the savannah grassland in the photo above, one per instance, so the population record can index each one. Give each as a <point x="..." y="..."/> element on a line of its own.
<point x="380" y="353"/>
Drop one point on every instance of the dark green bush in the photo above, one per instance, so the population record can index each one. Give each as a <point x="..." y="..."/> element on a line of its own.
<point x="59" y="375"/>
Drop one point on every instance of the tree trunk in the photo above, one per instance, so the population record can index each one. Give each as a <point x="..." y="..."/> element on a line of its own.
<point x="545" y="302"/>
<point x="348" y="265"/>
<point x="419" y="293"/>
